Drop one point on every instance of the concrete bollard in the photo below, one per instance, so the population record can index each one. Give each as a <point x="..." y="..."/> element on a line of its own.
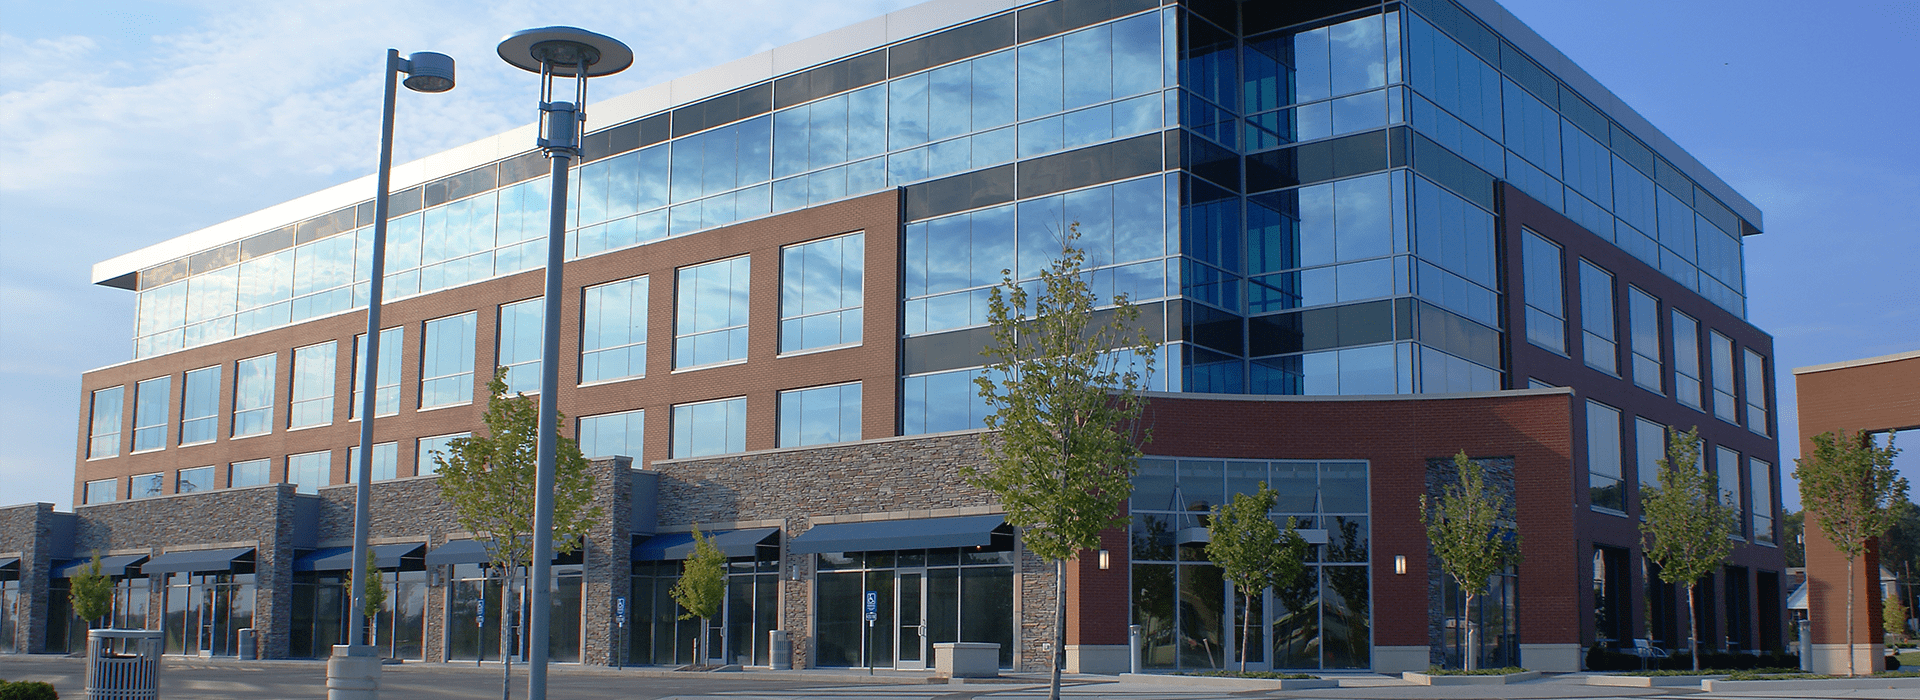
<point x="353" y="673"/>
<point x="1133" y="646"/>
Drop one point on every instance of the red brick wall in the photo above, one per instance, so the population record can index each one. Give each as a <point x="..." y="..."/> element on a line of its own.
<point x="1397" y="437"/>
<point x="873" y="362"/>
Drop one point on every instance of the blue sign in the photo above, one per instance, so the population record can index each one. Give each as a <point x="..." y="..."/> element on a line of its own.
<point x="479" y="614"/>
<point x="873" y="605"/>
<point x="620" y="611"/>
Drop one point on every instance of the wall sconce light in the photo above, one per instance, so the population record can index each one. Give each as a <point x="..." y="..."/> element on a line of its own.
<point x="1400" y="564"/>
<point x="793" y="572"/>
<point x="1105" y="560"/>
<point x="436" y="576"/>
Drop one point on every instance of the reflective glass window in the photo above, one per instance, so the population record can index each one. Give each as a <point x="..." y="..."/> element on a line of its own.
<point x="196" y="479"/>
<point x="313" y="380"/>
<point x="710" y="319"/>
<point x="1650" y="446"/>
<point x="613" y="334"/>
<point x="710" y="428"/>
<point x="446" y="361"/>
<point x="1726" y="464"/>
<point x="1756" y="391"/>
<point x="614" y="434"/>
<point x="1533" y="129"/>
<point x="1598" y="345"/>
<point x="1633" y="197"/>
<point x="942" y="402"/>
<point x="101" y="491"/>
<point x="1588" y="164"/>
<point x="821" y="292"/>
<point x="386" y="392"/>
<point x="256" y="472"/>
<point x="150" y="413"/>
<point x="1643" y="325"/>
<point x="200" y="406"/>
<point x="1453" y="77"/>
<point x="308" y="472"/>
<point x="147" y="486"/>
<point x="253" y="382"/>
<point x="103" y="426"/>
<point x="1686" y="359"/>
<point x="385" y="465"/>
<point x="521" y="336"/>
<point x="1546" y="310"/>
<point x="1724" y="404"/>
<point x="1603" y="457"/>
<point x="1760" y="475"/>
<point x="429" y="450"/>
<point x="820" y="416"/>
<point x="1451" y="232"/>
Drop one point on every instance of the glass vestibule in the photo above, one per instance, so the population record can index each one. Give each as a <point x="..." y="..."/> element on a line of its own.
<point x="473" y="614"/>
<point x="320" y="602"/>
<point x="1191" y="617"/>
<point x="751" y="609"/>
<point x="923" y="596"/>
<point x="206" y="610"/>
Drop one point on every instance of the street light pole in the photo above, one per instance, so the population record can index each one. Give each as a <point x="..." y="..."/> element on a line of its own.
<point x="579" y="54"/>
<point x="354" y="670"/>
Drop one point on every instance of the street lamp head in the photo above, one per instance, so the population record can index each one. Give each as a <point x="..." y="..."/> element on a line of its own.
<point x="429" y="72"/>
<point x="562" y="50"/>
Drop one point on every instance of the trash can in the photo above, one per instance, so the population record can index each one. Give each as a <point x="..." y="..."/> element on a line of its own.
<point x="114" y="675"/>
<point x="243" y="638"/>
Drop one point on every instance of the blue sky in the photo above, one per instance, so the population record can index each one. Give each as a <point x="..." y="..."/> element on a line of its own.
<point x="128" y="123"/>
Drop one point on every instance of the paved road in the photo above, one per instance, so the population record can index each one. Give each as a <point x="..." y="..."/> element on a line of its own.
<point x="306" y="680"/>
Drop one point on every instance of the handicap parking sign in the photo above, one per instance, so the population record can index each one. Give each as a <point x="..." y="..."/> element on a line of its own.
<point x="873" y="605"/>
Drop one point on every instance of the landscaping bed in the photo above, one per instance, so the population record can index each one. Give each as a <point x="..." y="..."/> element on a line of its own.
<point x="1495" y="676"/>
<point x="1251" y="681"/>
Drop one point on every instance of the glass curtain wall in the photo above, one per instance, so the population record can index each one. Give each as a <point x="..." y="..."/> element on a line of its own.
<point x="320" y="602"/>
<point x="205" y="610"/>
<point x="960" y="595"/>
<point x="657" y="635"/>
<point x="1190" y="615"/>
<point x="473" y="613"/>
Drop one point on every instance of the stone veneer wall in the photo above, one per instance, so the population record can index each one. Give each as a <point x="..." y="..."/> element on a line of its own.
<point x="400" y="510"/>
<point x="1441" y="473"/>
<point x="27" y="531"/>
<point x="913" y="477"/>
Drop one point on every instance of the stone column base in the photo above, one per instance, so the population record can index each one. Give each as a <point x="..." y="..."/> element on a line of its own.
<point x="1392" y="660"/>
<point x="1552" y="658"/>
<point x="1108" y="659"/>
<point x="1831" y="659"/>
<point x="353" y="673"/>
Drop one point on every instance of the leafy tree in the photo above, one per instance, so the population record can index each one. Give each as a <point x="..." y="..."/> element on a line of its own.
<point x="1688" y="523"/>
<point x="375" y="594"/>
<point x="1794" y="525"/>
<point x="1893" y="618"/>
<point x="1065" y="387"/>
<point x="1471" y="530"/>
<point x="490" y="479"/>
<point x="91" y="593"/>
<point x="1850" y="486"/>
<point x="702" y="588"/>
<point x="1252" y="551"/>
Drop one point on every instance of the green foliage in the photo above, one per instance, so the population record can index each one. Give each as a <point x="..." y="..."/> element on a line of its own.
<point x="703" y="585"/>
<point x="1470" y="529"/>
<point x="489" y="480"/>
<point x="1893" y="617"/>
<point x="91" y="593"/>
<point x="27" y="690"/>
<point x="1793" y="525"/>
<point x="1686" y="520"/>
<point x="375" y="594"/>
<point x="1850" y="487"/>
<point x="1251" y="550"/>
<point x="1065" y="387"/>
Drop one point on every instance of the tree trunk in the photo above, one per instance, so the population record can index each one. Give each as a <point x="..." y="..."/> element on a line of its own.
<point x="1059" y="627"/>
<point x="1693" y="626"/>
<point x="506" y="634"/>
<point x="1850" y="669"/>
<point x="1470" y="653"/>
<point x="1246" y="623"/>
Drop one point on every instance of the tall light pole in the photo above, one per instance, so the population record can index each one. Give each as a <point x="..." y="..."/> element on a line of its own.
<point x="579" y="54"/>
<point x="426" y="72"/>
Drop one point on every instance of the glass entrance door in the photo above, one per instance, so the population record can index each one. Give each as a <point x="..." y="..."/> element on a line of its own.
<point x="910" y="596"/>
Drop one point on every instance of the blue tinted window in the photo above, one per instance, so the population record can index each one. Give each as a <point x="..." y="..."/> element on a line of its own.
<point x="1532" y="129"/>
<point x="199" y="407"/>
<point x="150" y="399"/>
<point x="820" y="416"/>
<point x="710" y="321"/>
<point x="104" y="425"/>
<point x="1546" y="309"/>
<point x="446" y="361"/>
<point x="710" y="428"/>
<point x="937" y="403"/>
<point x="521" y="336"/>
<point x="387" y="389"/>
<point x="613" y="332"/>
<point x="313" y="380"/>
<point x="1453" y="233"/>
<point x="821" y="293"/>
<point x="614" y="434"/>
<point x="253" y="381"/>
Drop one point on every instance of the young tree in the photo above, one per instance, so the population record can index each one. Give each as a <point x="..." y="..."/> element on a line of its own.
<point x="1893" y="618"/>
<point x="1065" y="388"/>
<point x="375" y="594"/>
<point x="701" y="589"/>
<point x="489" y="480"/>
<point x="1253" y="552"/>
<point x="91" y="593"/>
<point x="1849" y="486"/>
<point x="1687" y="523"/>
<point x="1472" y="531"/>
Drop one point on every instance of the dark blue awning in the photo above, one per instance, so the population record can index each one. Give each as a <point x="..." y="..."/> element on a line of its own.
<point x="877" y="535"/>
<point x="459" y="552"/>
<point x="677" y="546"/>
<point x="9" y="562"/>
<point x="109" y="566"/>
<point x="385" y="556"/>
<point x="201" y="560"/>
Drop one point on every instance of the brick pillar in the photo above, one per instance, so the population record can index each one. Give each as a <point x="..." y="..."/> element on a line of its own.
<point x="1827" y="604"/>
<point x="1097" y="605"/>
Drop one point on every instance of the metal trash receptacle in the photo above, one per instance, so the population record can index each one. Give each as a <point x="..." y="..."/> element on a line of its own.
<point x="113" y="674"/>
<point x="243" y="639"/>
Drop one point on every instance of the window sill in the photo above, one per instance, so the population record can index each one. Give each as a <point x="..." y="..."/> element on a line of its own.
<point x="604" y="382"/>
<point x="1603" y="510"/>
<point x="424" y="409"/>
<point x="251" y="435"/>
<point x="196" y="444"/>
<point x="696" y="368"/>
<point x="295" y="429"/>
<point x="147" y="451"/>
<point x="818" y="350"/>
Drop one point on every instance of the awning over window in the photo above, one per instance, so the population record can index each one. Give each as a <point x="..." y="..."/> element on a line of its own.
<point x="676" y="546"/>
<point x="385" y="556"/>
<point x="9" y="563"/>
<point x="202" y="560"/>
<point x="109" y="566"/>
<point x="459" y="552"/>
<point x="876" y="535"/>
